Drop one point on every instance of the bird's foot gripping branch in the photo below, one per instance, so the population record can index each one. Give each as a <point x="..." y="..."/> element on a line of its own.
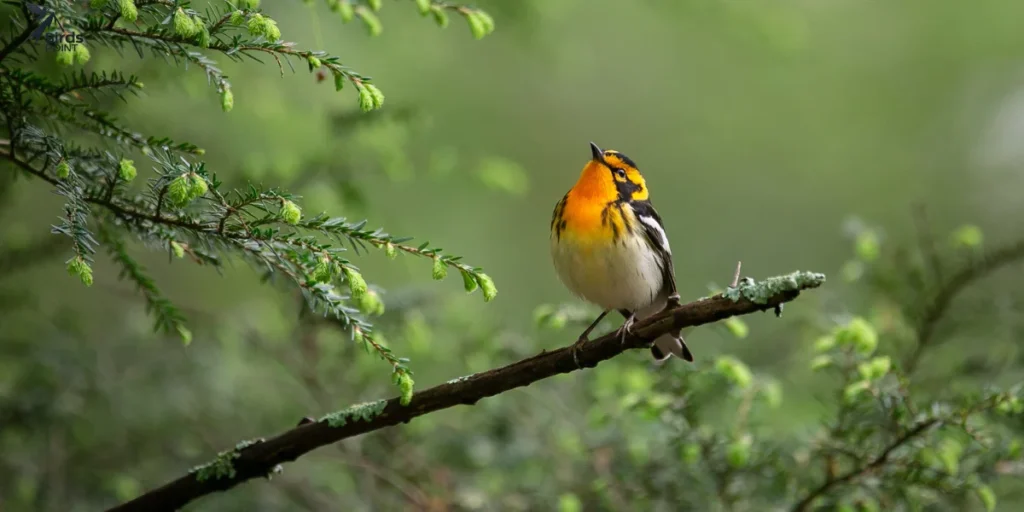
<point x="262" y="458"/>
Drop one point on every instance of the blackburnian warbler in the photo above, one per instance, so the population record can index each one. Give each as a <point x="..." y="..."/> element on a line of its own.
<point x="610" y="249"/>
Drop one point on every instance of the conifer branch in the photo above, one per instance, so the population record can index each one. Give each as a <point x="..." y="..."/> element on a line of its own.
<point x="860" y="471"/>
<point x="10" y="46"/>
<point x="262" y="458"/>
<point x="949" y="289"/>
<point x="885" y="459"/>
<point x="263" y="226"/>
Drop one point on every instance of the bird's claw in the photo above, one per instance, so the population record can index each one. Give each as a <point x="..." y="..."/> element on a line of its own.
<point x="575" y="350"/>
<point x="626" y="330"/>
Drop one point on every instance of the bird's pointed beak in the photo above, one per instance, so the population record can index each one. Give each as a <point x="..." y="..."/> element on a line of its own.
<point x="596" y="152"/>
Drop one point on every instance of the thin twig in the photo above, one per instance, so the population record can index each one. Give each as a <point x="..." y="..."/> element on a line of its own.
<point x="875" y="463"/>
<point x="18" y="41"/>
<point x="926" y="241"/>
<point x="935" y="310"/>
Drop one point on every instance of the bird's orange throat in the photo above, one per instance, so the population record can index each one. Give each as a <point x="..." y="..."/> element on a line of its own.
<point x="584" y="213"/>
<point x="595" y="185"/>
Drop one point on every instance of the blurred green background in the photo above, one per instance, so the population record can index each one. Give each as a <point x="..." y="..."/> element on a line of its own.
<point x="761" y="128"/>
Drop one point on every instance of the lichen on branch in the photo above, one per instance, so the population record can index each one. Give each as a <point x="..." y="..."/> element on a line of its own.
<point x="761" y="292"/>
<point x="261" y="459"/>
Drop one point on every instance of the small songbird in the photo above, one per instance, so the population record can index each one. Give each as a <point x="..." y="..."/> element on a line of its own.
<point x="610" y="249"/>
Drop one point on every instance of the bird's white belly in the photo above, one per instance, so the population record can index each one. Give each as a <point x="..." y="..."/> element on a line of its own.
<point x="626" y="275"/>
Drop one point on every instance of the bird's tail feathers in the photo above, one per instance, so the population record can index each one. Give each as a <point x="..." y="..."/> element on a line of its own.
<point x="668" y="345"/>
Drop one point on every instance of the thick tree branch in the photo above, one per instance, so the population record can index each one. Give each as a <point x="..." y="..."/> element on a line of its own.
<point x="261" y="458"/>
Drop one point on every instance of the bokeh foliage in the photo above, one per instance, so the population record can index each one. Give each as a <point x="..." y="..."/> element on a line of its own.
<point x="733" y="109"/>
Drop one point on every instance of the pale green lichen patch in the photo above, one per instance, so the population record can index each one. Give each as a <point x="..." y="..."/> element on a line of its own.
<point x="761" y="292"/>
<point x="247" y="443"/>
<point x="221" y="467"/>
<point x="365" y="411"/>
<point x="457" y="380"/>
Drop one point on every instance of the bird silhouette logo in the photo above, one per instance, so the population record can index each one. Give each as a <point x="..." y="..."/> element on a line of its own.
<point x="42" y="16"/>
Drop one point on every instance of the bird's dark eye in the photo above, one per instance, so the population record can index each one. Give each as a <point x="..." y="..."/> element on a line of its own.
<point x="619" y="172"/>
